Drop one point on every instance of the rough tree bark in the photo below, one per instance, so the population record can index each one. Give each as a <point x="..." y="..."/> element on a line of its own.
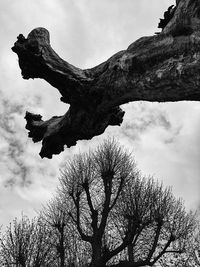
<point x="163" y="67"/>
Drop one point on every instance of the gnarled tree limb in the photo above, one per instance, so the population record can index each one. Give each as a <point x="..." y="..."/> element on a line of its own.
<point x="164" y="67"/>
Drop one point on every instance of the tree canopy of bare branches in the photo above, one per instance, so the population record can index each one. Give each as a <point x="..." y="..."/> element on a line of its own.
<point x="121" y="217"/>
<point x="105" y="213"/>
<point x="24" y="244"/>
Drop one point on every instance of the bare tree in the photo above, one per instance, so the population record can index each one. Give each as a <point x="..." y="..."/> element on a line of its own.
<point x="191" y="255"/>
<point x="163" y="67"/>
<point x="194" y="248"/>
<point x="157" y="223"/>
<point x="120" y="214"/>
<point x="55" y="218"/>
<point x="24" y="244"/>
<point x="105" y="213"/>
<point x="66" y="246"/>
<point x="94" y="183"/>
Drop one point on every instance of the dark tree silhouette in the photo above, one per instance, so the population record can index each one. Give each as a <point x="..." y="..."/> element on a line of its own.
<point x="157" y="223"/>
<point x="120" y="214"/>
<point x="94" y="182"/>
<point x="105" y="213"/>
<point x="163" y="67"/>
<point x="194" y="249"/>
<point x="67" y="248"/>
<point x="24" y="244"/>
<point x="191" y="255"/>
<point x="56" y="220"/>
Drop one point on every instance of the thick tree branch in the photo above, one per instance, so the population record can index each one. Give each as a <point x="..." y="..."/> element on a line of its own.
<point x="108" y="183"/>
<point x="119" y="190"/>
<point x="164" y="67"/>
<point x="77" y="220"/>
<point x="94" y="213"/>
<point x="155" y="242"/>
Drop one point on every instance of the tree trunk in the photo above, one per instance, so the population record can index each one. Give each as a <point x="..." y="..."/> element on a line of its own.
<point x="164" y="67"/>
<point x="61" y="247"/>
<point x="62" y="253"/>
<point x="97" y="259"/>
<point x="130" y="253"/>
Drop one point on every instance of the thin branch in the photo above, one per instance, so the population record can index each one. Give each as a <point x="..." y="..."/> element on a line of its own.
<point x="163" y="251"/>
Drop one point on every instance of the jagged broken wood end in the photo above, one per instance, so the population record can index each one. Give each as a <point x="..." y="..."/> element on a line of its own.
<point x="60" y="131"/>
<point x="163" y="67"/>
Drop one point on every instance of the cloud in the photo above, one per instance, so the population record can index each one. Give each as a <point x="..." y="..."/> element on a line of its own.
<point x="163" y="137"/>
<point x="143" y="117"/>
<point x="26" y="181"/>
<point x="164" y="140"/>
<point x="168" y="148"/>
<point x="17" y="163"/>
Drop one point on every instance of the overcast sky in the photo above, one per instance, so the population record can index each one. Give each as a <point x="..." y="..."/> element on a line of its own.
<point x="164" y="138"/>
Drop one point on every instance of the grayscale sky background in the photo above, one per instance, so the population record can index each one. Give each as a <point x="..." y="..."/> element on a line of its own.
<point x="164" y="138"/>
